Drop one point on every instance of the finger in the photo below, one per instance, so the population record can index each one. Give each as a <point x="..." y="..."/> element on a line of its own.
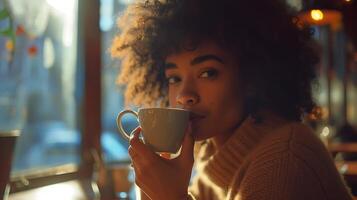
<point x="187" y="146"/>
<point x="132" y="153"/>
<point x="135" y="132"/>
<point x="135" y="162"/>
<point x="142" y="194"/>
<point x="139" y="152"/>
<point x="134" y="136"/>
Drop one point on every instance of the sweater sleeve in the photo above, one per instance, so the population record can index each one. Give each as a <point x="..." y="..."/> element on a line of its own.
<point x="282" y="177"/>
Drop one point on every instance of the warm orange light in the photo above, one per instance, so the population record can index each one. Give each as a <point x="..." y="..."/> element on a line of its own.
<point x="322" y="17"/>
<point x="317" y="15"/>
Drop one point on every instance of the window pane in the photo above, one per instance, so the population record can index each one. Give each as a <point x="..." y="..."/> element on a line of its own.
<point x="44" y="84"/>
<point x="113" y="145"/>
<point x="331" y="71"/>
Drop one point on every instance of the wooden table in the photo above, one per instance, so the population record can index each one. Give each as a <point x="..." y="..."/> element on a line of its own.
<point x="65" y="190"/>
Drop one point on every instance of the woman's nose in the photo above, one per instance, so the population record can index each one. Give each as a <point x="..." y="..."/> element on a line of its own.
<point x="187" y="98"/>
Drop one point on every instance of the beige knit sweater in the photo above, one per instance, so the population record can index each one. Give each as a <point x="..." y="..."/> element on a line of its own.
<point x="275" y="160"/>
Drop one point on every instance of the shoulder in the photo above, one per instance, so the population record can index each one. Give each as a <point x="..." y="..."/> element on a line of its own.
<point x="294" y="144"/>
<point x="291" y="159"/>
<point x="294" y="137"/>
<point x="288" y="131"/>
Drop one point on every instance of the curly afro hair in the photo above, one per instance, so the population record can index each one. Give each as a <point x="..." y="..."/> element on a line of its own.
<point x="276" y="52"/>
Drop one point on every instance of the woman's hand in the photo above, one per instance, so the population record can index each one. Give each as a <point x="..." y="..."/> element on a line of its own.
<point x="160" y="178"/>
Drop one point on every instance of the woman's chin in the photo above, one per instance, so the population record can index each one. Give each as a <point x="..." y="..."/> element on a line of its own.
<point x="199" y="135"/>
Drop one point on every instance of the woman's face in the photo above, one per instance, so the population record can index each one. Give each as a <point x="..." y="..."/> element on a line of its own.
<point x="205" y="81"/>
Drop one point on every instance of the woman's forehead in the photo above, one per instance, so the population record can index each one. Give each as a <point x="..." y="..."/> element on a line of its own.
<point x="204" y="48"/>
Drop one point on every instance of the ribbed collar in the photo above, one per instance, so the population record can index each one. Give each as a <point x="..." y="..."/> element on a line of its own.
<point x="221" y="165"/>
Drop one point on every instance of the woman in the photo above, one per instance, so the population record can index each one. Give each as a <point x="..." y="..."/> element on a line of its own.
<point x="245" y="70"/>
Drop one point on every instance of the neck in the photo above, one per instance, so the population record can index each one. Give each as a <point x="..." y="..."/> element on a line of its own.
<point x="219" y="140"/>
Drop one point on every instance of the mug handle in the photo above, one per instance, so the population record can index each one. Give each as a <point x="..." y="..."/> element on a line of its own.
<point x="120" y="125"/>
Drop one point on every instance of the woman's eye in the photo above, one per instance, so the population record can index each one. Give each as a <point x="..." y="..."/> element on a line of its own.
<point x="173" y="79"/>
<point x="209" y="74"/>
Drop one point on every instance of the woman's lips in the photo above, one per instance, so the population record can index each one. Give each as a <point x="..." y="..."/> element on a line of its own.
<point x="194" y="117"/>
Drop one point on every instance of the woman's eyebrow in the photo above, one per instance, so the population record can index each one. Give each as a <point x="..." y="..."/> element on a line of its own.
<point x="197" y="60"/>
<point x="204" y="58"/>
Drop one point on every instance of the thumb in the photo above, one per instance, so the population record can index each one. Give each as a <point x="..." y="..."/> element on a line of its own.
<point x="187" y="146"/>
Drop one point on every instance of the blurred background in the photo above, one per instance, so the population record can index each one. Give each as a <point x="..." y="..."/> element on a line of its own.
<point x="57" y="85"/>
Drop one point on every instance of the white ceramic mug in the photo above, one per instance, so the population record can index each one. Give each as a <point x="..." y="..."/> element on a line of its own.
<point x="162" y="128"/>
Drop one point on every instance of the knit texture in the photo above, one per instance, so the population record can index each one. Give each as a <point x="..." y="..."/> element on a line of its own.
<point x="272" y="160"/>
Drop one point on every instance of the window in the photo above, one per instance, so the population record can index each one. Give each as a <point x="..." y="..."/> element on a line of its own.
<point x="50" y="89"/>
<point x="113" y="145"/>
<point x="43" y="87"/>
<point x="335" y="93"/>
